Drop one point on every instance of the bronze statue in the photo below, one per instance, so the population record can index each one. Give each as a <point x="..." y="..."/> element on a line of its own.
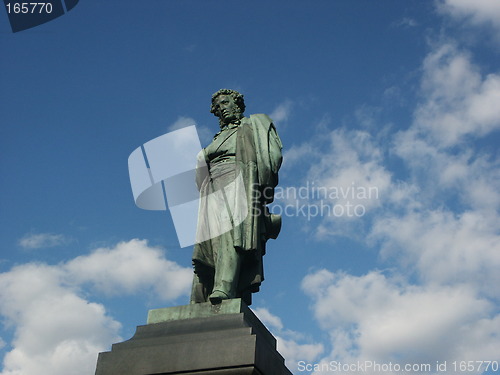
<point x="236" y="178"/>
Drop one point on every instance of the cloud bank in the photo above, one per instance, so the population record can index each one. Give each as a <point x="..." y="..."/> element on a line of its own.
<point x="42" y="240"/>
<point x="435" y="225"/>
<point x="57" y="330"/>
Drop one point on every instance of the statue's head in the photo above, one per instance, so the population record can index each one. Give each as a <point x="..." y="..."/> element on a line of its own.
<point x="227" y="105"/>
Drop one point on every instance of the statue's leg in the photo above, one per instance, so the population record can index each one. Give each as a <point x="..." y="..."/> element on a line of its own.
<point x="202" y="283"/>
<point x="197" y="290"/>
<point x="227" y="270"/>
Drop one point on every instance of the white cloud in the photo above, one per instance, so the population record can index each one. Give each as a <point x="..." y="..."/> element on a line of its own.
<point x="459" y="102"/>
<point x="438" y="227"/>
<point x="204" y="133"/>
<point x="443" y="248"/>
<point x="289" y="342"/>
<point x="349" y="177"/>
<point x="294" y="352"/>
<point x="374" y="318"/>
<point x="344" y="165"/>
<point x="405" y="22"/>
<point x="343" y="178"/>
<point x="440" y="230"/>
<point x="42" y="240"/>
<point x="355" y="161"/>
<point x="56" y="329"/>
<point x="367" y="116"/>
<point x="478" y="11"/>
<point x="269" y="319"/>
<point x="181" y="122"/>
<point x="470" y="176"/>
<point x="296" y="154"/>
<point x="130" y="267"/>
<point x="450" y="237"/>
<point x="282" y="112"/>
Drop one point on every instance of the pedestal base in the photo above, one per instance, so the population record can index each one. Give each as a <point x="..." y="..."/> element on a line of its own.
<point x="197" y="339"/>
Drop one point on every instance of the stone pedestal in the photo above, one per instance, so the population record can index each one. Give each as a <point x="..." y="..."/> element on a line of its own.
<point x="197" y="340"/>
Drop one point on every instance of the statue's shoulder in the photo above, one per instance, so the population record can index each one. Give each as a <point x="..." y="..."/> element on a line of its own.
<point x="261" y="122"/>
<point x="261" y="118"/>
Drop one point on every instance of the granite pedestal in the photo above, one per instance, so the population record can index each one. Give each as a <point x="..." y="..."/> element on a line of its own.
<point x="198" y="339"/>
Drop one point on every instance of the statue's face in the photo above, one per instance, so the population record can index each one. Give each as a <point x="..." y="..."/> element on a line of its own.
<point x="226" y="109"/>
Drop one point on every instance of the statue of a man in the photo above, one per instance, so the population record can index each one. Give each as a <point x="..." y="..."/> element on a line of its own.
<point x="236" y="183"/>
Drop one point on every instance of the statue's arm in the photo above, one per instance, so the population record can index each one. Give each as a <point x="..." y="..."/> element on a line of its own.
<point x="275" y="149"/>
<point x="269" y="141"/>
<point x="201" y="169"/>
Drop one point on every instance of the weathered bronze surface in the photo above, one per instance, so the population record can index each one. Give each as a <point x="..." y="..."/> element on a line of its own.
<point x="236" y="183"/>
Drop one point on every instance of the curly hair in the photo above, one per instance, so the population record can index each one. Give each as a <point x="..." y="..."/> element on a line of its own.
<point x="237" y="97"/>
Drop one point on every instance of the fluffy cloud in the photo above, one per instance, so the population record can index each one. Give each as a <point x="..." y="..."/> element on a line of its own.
<point x="460" y="106"/>
<point x="269" y="319"/>
<point x="204" y="133"/>
<point x="459" y="102"/>
<point x="42" y="240"/>
<point x="56" y="329"/>
<point x="289" y="342"/>
<point x="450" y="236"/>
<point x="181" y="122"/>
<point x="282" y="112"/>
<point x="345" y="180"/>
<point x="451" y="249"/>
<point x="130" y="267"/>
<point x="437" y="227"/>
<point x="405" y="22"/>
<point x="375" y="318"/>
<point x="478" y="11"/>
<point x="353" y="164"/>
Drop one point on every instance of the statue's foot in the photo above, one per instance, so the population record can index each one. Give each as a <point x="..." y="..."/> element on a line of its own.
<point x="217" y="296"/>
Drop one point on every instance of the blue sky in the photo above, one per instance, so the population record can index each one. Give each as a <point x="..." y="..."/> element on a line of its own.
<point x="397" y="96"/>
